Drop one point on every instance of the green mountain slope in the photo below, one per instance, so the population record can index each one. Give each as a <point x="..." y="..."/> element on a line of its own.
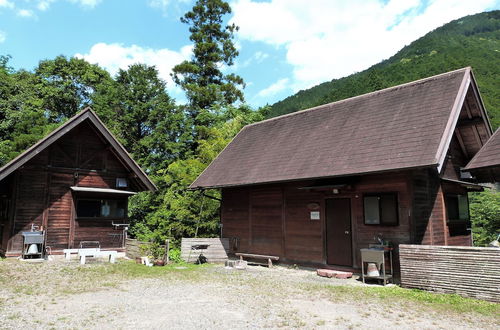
<point x="469" y="41"/>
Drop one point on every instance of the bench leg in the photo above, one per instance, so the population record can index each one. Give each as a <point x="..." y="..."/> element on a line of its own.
<point x="112" y="258"/>
<point x="67" y="255"/>
<point x="82" y="260"/>
<point x="241" y="258"/>
<point x="269" y="263"/>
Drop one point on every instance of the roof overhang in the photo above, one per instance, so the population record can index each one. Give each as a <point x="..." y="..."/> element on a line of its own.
<point x="103" y="191"/>
<point x="314" y="178"/>
<point x="468" y="185"/>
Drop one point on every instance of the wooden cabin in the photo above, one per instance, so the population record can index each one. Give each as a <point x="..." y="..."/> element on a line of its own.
<point x="74" y="184"/>
<point x="315" y="186"/>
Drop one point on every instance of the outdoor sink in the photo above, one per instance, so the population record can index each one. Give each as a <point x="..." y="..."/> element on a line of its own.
<point x="33" y="237"/>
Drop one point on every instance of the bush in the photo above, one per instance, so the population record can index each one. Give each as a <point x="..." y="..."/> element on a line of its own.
<point x="485" y="216"/>
<point x="175" y="256"/>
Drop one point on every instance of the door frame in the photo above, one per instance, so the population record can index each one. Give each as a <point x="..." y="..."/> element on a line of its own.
<point x="352" y="225"/>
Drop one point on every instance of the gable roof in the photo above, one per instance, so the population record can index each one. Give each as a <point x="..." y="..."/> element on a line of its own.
<point x="402" y="127"/>
<point x="488" y="155"/>
<point x="89" y="115"/>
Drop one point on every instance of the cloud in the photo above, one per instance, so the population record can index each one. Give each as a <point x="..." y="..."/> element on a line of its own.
<point x="87" y="3"/>
<point x="3" y="36"/>
<point x="334" y="38"/>
<point x="6" y="4"/>
<point x="25" y="13"/>
<point x="116" y="56"/>
<point x="164" y="5"/>
<point x="274" y="88"/>
<point x="43" y="5"/>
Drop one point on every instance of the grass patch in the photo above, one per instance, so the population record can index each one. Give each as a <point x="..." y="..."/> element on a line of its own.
<point x="436" y="301"/>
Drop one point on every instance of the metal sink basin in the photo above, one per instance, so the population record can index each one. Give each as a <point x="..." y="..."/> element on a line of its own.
<point x="33" y="237"/>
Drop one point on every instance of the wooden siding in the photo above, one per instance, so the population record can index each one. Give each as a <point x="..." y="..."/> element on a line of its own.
<point x="429" y="210"/>
<point x="276" y="219"/>
<point x="467" y="271"/>
<point x="217" y="251"/>
<point x="303" y="236"/>
<point x="44" y="196"/>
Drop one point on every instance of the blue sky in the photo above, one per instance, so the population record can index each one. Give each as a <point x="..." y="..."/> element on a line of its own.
<point x="285" y="45"/>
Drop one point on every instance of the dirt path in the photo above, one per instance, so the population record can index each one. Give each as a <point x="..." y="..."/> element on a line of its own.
<point x="206" y="298"/>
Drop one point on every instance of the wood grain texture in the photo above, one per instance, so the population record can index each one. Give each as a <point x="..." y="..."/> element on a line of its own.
<point x="467" y="271"/>
<point x="217" y="251"/>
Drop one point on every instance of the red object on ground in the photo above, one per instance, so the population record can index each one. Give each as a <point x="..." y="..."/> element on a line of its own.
<point x="333" y="273"/>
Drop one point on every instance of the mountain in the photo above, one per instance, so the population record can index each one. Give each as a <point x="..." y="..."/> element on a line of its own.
<point x="469" y="41"/>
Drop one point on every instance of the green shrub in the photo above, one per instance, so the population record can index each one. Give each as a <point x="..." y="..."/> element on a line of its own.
<point x="175" y="256"/>
<point x="485" y="216"/>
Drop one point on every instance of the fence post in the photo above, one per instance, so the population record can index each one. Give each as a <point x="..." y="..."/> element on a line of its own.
<point x="167" y="250"/>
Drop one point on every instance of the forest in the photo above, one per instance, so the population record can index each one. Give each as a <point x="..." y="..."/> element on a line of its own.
<point x="174" y="142"/>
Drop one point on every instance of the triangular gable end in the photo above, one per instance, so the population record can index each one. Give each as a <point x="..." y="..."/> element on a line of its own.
<point x="86" y="114"/>
<point x="468" y="122"/>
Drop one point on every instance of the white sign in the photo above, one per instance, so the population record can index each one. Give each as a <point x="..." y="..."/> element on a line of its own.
<point x="314" y="215"/>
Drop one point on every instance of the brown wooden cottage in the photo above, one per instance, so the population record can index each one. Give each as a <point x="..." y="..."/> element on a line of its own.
<point x="315" y="186"/>
<point x="74" y="184"/>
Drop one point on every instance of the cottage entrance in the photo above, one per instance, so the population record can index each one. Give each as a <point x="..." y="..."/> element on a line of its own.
<point x="338" y="232"/>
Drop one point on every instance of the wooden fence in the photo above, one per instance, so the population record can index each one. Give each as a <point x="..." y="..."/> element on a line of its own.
<point x="132" y="247"/>
<point x="468" y="271"/>
<point x="217" y="250"/>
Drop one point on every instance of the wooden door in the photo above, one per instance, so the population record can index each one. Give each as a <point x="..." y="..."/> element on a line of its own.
<point x="338" y="232"/>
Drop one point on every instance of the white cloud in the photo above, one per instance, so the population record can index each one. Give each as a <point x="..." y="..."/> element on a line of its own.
<point x="87" y="3"/>
<point x="334" y="38"/>
<point x="25" y="13"/>
<point x="43" y="5"/>
<point x="164" y="5"/>
<point x="274" y="88"/>
<point x="3" y="36"/>
<point x="116" y="56"/>
<point x="6" y="4"/>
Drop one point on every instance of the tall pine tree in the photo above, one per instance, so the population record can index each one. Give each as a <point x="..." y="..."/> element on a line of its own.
<point x="207" y="87"/>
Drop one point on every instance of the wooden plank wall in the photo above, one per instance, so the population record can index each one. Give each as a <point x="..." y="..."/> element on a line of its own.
<point x="133" y="248"/>
<point x="467" y="271"/>
<point x="275" y="219"/>
<point x="216" y="252"/>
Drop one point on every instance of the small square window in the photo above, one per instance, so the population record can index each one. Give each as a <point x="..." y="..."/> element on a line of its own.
<point x="381" y="209"/>
<point x="457" y="207"/>
<point x="121" y="183"/>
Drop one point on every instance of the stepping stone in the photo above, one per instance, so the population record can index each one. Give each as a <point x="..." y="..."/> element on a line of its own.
<point x="333" y="273"/>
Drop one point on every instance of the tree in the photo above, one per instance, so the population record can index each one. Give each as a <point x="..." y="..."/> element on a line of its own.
<point x="207" y="87"/>
<point x="22" y="120"/>
<point x="69" y="85"/>
<point x="182" y="213"/>
<point x="151" y="127"/>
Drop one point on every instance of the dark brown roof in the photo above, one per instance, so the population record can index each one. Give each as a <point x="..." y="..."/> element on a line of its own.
<point x="406" y="126"/>
<point x="488" y="155"/>
<point x="85" y="115"/>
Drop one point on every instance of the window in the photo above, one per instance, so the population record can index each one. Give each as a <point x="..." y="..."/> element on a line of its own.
<point x="381" y="209"/>
<point x="121" y="183"/>
<point x="101" y="208"/>
<point x="457" y="207"/>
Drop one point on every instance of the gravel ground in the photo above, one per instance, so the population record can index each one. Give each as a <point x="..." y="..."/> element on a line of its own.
<point x="65" y="295"/>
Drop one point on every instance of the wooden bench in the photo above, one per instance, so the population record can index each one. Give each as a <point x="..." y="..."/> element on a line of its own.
<point x="258" y="256"/>
<point x="83" y="254"/>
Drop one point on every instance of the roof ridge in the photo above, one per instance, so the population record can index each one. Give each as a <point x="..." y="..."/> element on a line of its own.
<point x="322" y="106"/>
